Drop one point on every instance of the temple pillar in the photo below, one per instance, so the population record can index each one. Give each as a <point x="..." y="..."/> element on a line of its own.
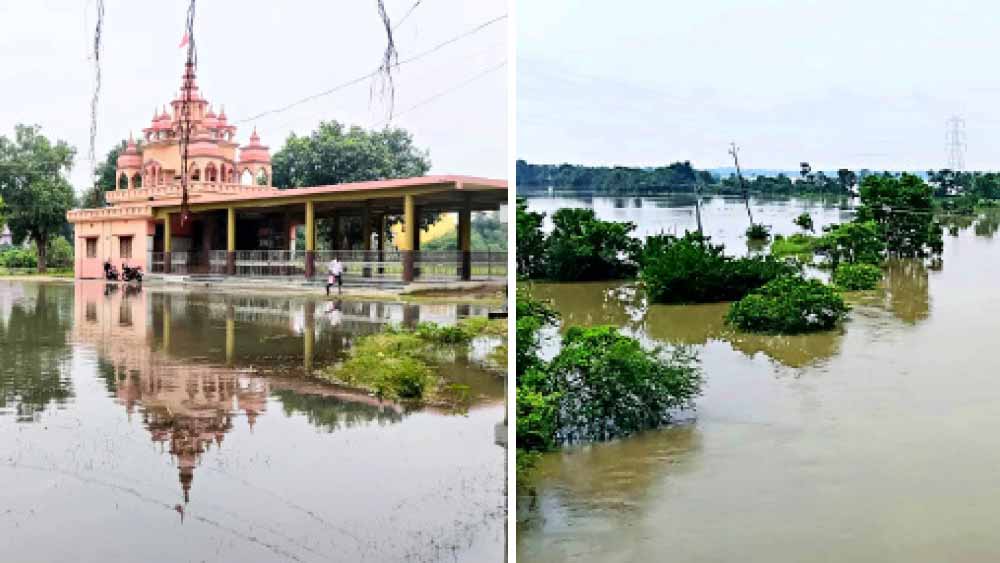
<point x="231" y="241"/>
<point x="167" y="235"/>
<point x="408" y="240"/>
<point x="465" y="239"/>
<point x="366" y="236"/>
<point x="166" y="323"/>
<point x="310" y="239"/>
<point x="380" y="221"/>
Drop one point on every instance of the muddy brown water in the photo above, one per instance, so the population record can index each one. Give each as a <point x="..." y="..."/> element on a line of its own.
<point x="169" y="426"/>
<point x="874" y="442"/>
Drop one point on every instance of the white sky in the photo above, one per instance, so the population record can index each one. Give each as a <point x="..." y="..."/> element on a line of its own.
<point x="256" y="55"/>
<point x="854" y="83"/>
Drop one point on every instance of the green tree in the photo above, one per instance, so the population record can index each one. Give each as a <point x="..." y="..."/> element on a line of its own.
<point x="902" y="209"/>
<point x="530" y="241"/>
<point x="334" y="154"/>
<point x="583" y="247"/>
<point x="852" y="243"/>
<point x="33" y="185"/>
<point x="93" y="196"/>
<point x="789" y="305"/>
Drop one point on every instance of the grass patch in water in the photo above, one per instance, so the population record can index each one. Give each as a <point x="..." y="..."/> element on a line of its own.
<point x="795" y="245"/>
<point x="398" y="364"/>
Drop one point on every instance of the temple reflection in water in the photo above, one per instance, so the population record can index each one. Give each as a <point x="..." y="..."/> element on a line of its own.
<point x="191" y="364"/>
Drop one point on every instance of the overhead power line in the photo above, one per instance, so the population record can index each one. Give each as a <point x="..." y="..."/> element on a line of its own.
<point x="447" y="91"/>
<point x="374" y="73"/>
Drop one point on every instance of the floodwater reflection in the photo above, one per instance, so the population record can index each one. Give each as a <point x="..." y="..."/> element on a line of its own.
<point x="188" y="422"/>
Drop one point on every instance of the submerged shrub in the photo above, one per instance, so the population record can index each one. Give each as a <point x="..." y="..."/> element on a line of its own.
<point x="804" y="221"/>
<point x="857" y="277"/>
<point x="789" y="305"/>
<point x="758" y="231"/>
<point x="691" y="270"/>
<point x="608" y="385"/>
<point x="852" y="243"/>
<point x="583" y="247"/>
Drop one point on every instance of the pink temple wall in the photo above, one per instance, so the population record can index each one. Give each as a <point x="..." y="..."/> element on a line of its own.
<point x="108" y="235"/>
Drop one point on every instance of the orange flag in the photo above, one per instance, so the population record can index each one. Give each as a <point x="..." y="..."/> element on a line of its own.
<point x="184" y="40"/>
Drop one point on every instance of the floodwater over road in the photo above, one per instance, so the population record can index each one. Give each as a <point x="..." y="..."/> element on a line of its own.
<point x="150" y="425"/>
<point x="874" y="442"/>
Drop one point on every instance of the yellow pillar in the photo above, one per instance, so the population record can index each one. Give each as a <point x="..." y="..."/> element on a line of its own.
<point x="310" y="239"/>
<point x="408" y="240"/>
<point x="465" y="239"/>
<point x="231" y="241"/>
<point x="166" y="325"/>
<point x="166" y="244"/>
<point x="230" y="335"/>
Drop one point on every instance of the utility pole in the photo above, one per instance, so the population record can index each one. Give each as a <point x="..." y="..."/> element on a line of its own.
<point x="734" y="150"/>
<point x="955" y="145"/>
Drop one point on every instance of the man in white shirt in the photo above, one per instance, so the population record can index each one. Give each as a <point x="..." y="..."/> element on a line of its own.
<point x="335" y="275"/>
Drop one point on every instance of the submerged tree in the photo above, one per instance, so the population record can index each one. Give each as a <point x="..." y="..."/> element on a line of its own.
<point x="903" y="211"/>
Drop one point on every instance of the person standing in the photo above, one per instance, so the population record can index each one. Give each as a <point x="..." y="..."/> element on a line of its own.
<point x="335" y="275"/>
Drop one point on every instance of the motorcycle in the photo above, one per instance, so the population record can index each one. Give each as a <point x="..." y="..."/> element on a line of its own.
<point x="131" y="274"/>
<point x="110" y="273"/>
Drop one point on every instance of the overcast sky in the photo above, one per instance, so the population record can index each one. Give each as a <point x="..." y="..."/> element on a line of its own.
<point x="845" y="83"/>
<point x="255" y="55"/>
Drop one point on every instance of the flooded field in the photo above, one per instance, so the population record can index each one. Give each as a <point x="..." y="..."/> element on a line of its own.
<point x="152" y="425"/>
<point x="869" y="443"/>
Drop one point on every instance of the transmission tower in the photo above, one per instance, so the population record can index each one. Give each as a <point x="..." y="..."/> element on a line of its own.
<point x="955" y="143"/>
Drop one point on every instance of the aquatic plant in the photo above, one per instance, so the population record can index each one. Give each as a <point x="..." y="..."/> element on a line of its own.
<point x="397" y="363"/>
<point x="857" y="277"/>
<point x="789" y="305"/>
<point x="691" y="270"/>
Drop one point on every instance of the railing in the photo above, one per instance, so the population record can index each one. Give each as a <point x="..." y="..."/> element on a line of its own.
<point x="256" y="263"/>
<point x="362" y="264"/>
<point x="358" y="265"/>
<point x="101" y="214"/>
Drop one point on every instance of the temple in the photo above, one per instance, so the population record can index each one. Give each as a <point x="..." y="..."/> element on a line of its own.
<point x="240" y="225"/>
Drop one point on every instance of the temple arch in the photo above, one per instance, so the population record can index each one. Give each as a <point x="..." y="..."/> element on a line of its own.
<point x="261" y="177"/>
<point x="137" y="180"/>
<point x="246" y="177"/>
<point x="211" y="173"/>
<point x="123" y="181"/>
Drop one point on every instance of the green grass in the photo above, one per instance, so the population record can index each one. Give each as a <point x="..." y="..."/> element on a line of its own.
<point x="52" y="272"/>
<point x="795" y="245"/>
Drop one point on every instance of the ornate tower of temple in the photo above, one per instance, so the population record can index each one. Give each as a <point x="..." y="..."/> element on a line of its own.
<point x="212" y="151"/>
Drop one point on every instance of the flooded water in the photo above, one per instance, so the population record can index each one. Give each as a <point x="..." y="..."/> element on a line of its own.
<point x="167" y="426"/>
<point x="874" y="442"/>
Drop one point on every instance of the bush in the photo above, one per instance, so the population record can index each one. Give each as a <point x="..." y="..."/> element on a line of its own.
<point x="789" y="305"/>
<point x="17" y="257"/>
<point x="537" y="418"/>
<point x="530" y="242"/>
<point x="758" y="231"/>
<point x="609" y="386"/>
<point x="60" y="253"/>
<point x="857" y="277"/>
<point x="532" y="315"/>
<point x="795" y="245"/>
<point x="691" y="270"/>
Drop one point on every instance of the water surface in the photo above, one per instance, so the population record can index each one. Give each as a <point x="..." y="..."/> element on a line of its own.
<point x="157" y="425"/>
<point x="873" y="442"/>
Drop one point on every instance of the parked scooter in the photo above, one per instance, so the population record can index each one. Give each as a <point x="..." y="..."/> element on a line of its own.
<point x="131" y="274"/>
<point x="110" y="273"/>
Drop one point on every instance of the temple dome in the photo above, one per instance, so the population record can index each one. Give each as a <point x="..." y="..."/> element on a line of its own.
<point x="204" y="146"/>
<point x="254" y="152"/>
<point x="130" y="158"/>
